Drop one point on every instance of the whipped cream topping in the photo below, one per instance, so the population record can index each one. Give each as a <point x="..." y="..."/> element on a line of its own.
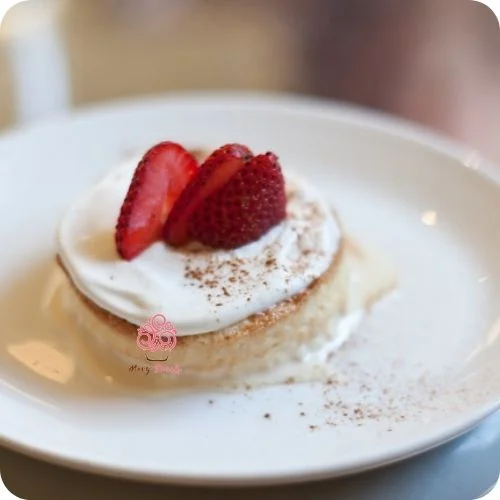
<point x="199" y="290"/>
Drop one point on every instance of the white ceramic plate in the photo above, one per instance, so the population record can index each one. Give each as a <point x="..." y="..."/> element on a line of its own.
<point x="422" y="370"/>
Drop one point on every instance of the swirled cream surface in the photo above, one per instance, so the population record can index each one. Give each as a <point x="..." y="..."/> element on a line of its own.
<point x="198" y="289"/>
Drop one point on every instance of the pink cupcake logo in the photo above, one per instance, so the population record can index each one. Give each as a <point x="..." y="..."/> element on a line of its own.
<point x="157" y="335"/>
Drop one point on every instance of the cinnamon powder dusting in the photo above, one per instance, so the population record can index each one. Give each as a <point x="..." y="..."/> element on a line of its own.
<point x="225" y="275"/>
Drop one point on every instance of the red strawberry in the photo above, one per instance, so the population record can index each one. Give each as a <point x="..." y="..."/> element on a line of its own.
<point x="245" y="208"/>
<point x="160" y="177"/>
<point x="216" y="171"/>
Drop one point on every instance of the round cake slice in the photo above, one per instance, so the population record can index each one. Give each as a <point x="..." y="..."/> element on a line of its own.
<point x="236" y="309"/>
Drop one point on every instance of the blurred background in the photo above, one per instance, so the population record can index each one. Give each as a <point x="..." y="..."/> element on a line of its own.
<point x="436" y="62"/>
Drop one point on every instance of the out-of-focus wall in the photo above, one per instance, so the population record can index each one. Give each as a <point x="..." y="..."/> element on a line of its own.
<point x="432" y="61"/>
<point x="113" y="49"/>
<point x="194" y="45"/>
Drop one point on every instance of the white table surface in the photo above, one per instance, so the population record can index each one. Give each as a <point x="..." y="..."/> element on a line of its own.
<point x="464" y="469"/>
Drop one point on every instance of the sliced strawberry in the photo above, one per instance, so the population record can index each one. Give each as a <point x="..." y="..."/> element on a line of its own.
<point x="245" y="208"/>
<point x="159" y="179"/>
<point x="216" y="171"/>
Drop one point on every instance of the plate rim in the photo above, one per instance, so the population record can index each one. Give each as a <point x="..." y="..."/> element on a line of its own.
<point x="291" y="477"/>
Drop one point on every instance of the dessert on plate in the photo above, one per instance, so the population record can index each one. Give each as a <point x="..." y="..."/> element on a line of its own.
<point x="251" y="266"/>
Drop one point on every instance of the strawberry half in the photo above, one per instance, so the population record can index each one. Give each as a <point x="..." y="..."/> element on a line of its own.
<point x="159" y="179"/>
<point x="215" y="172"/>
<point x="245" y="208"/>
